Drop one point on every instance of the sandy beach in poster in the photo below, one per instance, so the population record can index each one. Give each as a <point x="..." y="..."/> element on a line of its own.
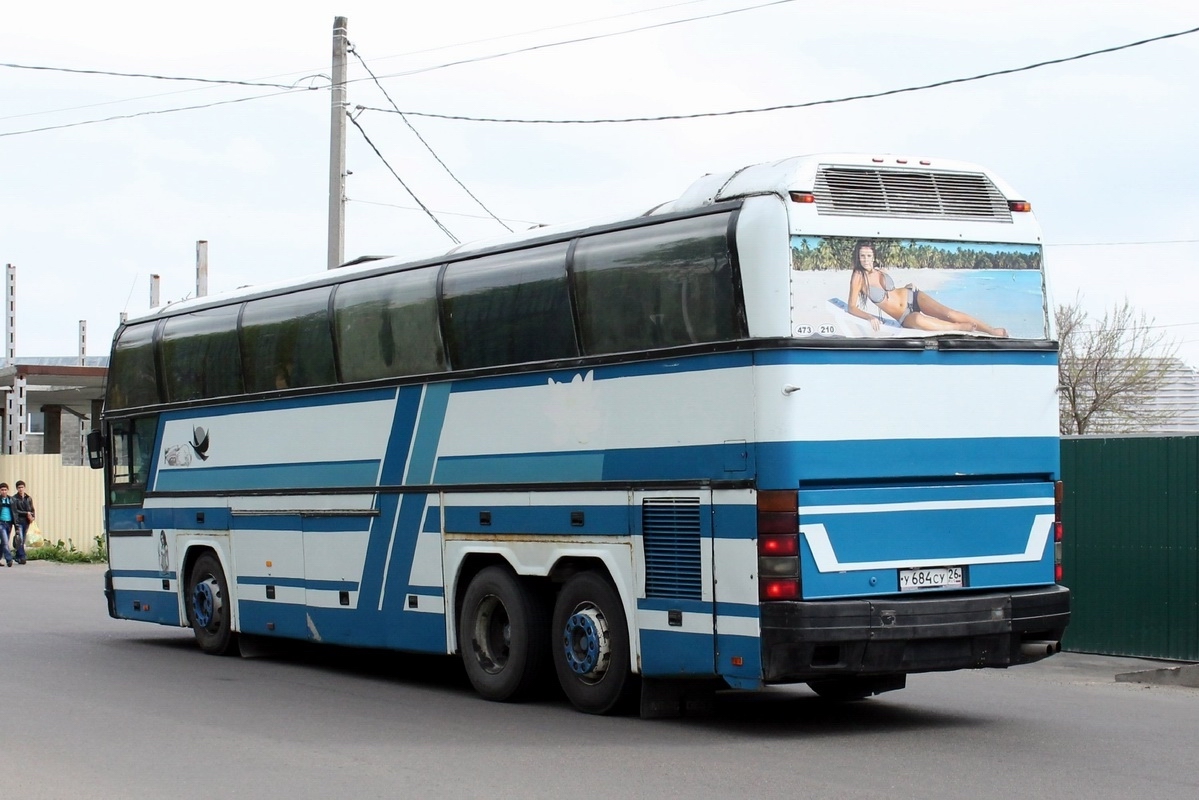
<point x="1010" y="299"/>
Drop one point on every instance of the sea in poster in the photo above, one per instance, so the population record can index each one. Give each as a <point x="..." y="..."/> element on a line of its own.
<point x="935" y="287"/>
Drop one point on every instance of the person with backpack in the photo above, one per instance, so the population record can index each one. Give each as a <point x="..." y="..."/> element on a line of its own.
<point x="6" y="520"/>
<point x="23" y="514"/>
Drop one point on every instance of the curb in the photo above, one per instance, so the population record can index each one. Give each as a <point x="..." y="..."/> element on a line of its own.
<point x="1174" y="676"/>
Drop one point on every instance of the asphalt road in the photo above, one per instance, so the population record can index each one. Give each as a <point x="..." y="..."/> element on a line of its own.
<point x="101" y="708"/>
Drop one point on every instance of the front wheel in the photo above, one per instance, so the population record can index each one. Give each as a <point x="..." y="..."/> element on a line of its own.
<point x="208" y="607"/>
<point x="503" y="635"/>
<point x="591" y="645"/>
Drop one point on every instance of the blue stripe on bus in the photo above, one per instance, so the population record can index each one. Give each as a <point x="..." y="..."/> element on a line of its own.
<point x="428" y="433"/>
<point x="782" y="464"/>
<point x="922" y="356"/>
<point x="673" y="604"/>
<point x="542" y="519"/>
<point x="658" y="366"/>
<point x="696" y="462"/>
<point x="432" y="520"/>
<point x="257" y="406"/>
<point x="748" y="610"/>
<point x="143" y="573"/>
<point x="297" y="583"/>
<point x="747" y="675"/>
<point x="877" y="582"/>
<point x="152" y="606"/>
<point x="357" y="523"/>
<point x="433" y="591"/>
<point x="677" y="654"/>
<point x="308" y="475"/>
<point x="399" y="442"/>
<point x="1033" y="490"/>
<point x="931" y="534"/>
<point x="525" y="468"/>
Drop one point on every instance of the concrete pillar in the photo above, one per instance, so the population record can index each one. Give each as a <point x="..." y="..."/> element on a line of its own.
<point x="52" y="438"/>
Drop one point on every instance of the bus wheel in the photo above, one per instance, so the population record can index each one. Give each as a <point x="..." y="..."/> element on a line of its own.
<point x="503" y="636"/>
<point x="591" y="645"/>
<point x="208" y="607"/>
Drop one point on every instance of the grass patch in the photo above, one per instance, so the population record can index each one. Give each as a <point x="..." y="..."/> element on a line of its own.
<point x="67" y="553"/>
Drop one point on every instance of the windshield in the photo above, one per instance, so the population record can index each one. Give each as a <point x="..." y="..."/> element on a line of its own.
<point x="871" y="288"/>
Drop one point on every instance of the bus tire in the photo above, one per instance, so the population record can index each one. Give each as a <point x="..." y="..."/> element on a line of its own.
<point x="503" y="635"/>
<point x="209" y="607"/>
<point x="591" y="646"/>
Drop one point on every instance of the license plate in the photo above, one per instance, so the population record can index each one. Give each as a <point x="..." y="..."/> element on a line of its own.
<point x="911" y="580"/>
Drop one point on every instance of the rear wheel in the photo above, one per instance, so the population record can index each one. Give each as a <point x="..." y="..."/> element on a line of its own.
<point x="209" y="607"/>
<point x="591" y="645"/>
<point x="503" y="635"/>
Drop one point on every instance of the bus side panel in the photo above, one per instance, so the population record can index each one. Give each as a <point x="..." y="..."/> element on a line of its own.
<point x="735" y="568"/>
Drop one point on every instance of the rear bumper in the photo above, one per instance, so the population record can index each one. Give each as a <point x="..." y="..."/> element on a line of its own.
<point x="885" y="635"/>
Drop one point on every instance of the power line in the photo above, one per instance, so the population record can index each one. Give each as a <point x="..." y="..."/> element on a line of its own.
<point x="355" y="80"/>
<point x="425" y="143"/>
<point x="595" y="37"/>
<point x="147" y="113"/>
<point x="152" y="76"/>
<point x="424" y="207"/>
<point x="533" y="223"/>
<point x="781" y="107"/>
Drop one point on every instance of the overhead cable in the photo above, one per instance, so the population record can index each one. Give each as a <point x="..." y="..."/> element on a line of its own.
<point x="578" y="40"/>
<point x="785" y="106"/>
<point x="423" y="207"/>
<point x="147" y="113"/>
<point x="433" y="153"/>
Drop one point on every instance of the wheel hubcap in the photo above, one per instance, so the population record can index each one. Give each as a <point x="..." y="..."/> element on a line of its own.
<point x="206" y="602"/>
<point x="585" y="640"/>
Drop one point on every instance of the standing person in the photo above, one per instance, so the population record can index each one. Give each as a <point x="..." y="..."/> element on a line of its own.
<point x="907" y="305"/>
<point x="23" y="513"/>
<point x="6" y="519"/>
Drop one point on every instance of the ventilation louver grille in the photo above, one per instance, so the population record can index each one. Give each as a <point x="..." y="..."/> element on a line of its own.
<point x="670" y="528"/>
<point x="864" y="191"/>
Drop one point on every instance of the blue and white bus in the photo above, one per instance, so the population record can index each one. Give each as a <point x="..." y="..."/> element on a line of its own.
<point x="797" y="425"/>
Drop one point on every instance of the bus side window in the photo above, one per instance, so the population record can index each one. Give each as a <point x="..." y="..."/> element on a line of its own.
<point x="202" y="354"/>
<point x="386" y="326"/>
<point x="510" y="308"/>
<point x="286" y="341"/>
<point x="132" y="379"/>
<point x="661" y="285"/>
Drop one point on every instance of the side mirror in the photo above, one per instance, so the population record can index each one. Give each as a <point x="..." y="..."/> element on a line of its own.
<point x="95" y="450"/>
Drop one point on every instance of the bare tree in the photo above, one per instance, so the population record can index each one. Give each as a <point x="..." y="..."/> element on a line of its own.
<point x="1110" y="370"/>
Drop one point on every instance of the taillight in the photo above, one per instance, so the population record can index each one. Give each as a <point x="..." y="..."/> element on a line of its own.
<point x="1058" y="531"/>
<point x="778" y="545"/>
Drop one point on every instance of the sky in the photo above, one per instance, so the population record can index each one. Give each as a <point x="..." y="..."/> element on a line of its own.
<point x="1103" y="147"/>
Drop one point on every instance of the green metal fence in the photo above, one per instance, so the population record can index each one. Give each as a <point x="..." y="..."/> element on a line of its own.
<point x="1131" y="550"/>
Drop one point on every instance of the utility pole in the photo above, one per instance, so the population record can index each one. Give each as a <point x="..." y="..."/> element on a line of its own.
<point x="202" y="268"/>
<point x="337" y="147"/>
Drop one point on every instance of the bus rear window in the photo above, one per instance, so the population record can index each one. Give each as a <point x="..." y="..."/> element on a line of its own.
<point x="878" y="288"/>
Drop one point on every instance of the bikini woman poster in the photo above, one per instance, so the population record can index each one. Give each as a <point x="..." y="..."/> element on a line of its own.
<point x="867" y="288"/>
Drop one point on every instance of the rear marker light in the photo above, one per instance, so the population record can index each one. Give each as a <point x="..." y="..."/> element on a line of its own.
<point x="803" y="197"/>
<point x="1019" y="205"/>
<point x="778" y="545"/>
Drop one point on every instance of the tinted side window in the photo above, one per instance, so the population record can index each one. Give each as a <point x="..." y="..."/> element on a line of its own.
<point x="286" y="341"/>
<point x="658" y="286"/>
<point x="200" y="354"/>
<point x="387" y="326"/>
<point x="509" y="308"/>
<point x="131" y="375"/>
